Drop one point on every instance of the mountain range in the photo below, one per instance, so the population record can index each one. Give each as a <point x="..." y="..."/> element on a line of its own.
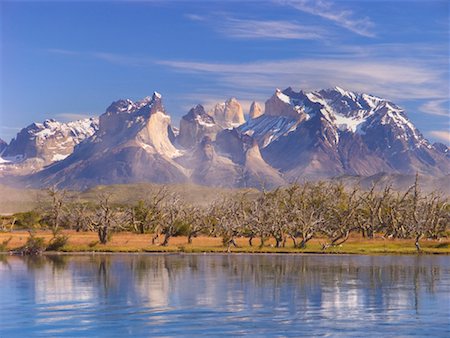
<point x="298" y="135"/>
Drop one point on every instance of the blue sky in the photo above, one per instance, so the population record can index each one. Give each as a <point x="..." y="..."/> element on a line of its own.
<point x="65" y="59"/>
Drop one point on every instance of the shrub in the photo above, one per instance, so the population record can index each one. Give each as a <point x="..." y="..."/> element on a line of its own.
<point x="33" y="246"/>
<point x="27" y="220"/>
<point x="57" y="242"/>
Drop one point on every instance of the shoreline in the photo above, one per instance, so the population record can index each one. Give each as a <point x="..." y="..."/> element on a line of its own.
<point x="126" y="242"/>
<point x="221" y="253"/>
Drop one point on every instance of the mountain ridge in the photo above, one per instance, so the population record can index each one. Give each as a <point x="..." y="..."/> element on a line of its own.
<point x="299" y="135"/>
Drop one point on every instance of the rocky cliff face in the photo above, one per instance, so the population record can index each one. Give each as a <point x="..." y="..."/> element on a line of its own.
<point x="255" y="110"/>
<point x="195" y="125"/>
<point x="228" y="114"/>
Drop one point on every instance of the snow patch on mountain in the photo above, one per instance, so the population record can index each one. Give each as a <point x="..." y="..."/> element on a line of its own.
<point x="41" y="144"/>
<point x="266" y="129"/>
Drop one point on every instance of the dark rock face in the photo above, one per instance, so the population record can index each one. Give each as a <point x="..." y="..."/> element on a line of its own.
<point x="195" y="125"/>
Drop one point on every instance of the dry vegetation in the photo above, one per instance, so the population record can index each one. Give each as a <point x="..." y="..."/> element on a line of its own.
<point x="310" y="217"/>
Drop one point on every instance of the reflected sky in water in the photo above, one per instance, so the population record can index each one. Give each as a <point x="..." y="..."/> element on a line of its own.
<point x="223" y="295"/>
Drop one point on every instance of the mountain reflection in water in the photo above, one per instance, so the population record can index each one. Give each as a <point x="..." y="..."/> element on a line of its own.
<point x="214" y="295"/>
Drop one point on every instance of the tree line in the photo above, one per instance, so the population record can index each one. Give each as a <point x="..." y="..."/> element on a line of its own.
<point x="297" y="213"/>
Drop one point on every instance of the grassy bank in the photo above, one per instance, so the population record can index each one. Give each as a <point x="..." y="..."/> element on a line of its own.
<point x="131" y="242"/>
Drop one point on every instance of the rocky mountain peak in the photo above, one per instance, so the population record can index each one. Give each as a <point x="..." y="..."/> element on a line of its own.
<point x="228" y="113"/>
<point x="196" y="111"/>
<point x="255" y="110"/>
<point x="151" y="106"/>
<point x="195" y="125"/>
<point x="281" y="104"/>
<point x="40" y="144"/>
<point x="121" y="106"/>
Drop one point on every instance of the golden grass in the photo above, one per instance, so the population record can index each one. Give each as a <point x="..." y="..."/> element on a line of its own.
<point x="131" y="242"/>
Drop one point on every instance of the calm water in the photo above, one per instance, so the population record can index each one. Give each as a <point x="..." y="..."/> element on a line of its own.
<point x="224" y="295"/>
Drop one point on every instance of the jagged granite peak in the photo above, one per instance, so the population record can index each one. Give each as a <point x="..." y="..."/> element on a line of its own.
<point x="131" y="146"/>
<point x="122" y="113"/>
<point x="285" y="103"/>
<point x="195" y="125"/>
<point x="255" y="110"/>
<point x="151" y="106"/>
<point x="228" y="113"/>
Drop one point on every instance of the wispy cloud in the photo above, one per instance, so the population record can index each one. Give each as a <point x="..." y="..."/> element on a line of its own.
<point x="395" y="79"/>
<point x="118" y="59"/>
<point x="195" y="17"/>
<point x="259" y="29"/>
<point x="329" y="11"/>
<point x="436" y="107"/>
<point x="374" y="69"/>
<point x="442" y="135"/>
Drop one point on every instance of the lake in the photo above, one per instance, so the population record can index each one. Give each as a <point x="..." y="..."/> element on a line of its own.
<point x="224" y="295"/>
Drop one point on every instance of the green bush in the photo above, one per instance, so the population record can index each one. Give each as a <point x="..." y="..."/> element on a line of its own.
<point x="27" y="220"/>
<point x="57" y="242"/>
<point x="33" y="246"/>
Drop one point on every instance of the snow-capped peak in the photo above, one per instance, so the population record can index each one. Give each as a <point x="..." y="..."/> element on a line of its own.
<point x="283" y="97"/>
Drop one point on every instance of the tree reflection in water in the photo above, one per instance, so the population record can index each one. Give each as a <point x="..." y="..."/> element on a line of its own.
<point x="294" y="289"/>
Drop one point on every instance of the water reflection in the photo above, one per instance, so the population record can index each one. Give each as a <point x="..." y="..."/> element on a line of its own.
<point x="157" y="295"/>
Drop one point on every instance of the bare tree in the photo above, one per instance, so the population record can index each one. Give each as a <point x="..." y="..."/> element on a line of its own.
<point x="340" y="215"/>
<point x="105" y="218"/>
<point x="56" y="212"/>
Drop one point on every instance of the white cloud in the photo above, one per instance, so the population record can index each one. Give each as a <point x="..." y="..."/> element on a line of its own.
<point x="194" y="17"/>
<point x="442" y="135"/>
<point x="393" y="79"/>
<point x="436" y="107"/>
<point x="260" y="29"/>
<point x="329" y="11"/>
